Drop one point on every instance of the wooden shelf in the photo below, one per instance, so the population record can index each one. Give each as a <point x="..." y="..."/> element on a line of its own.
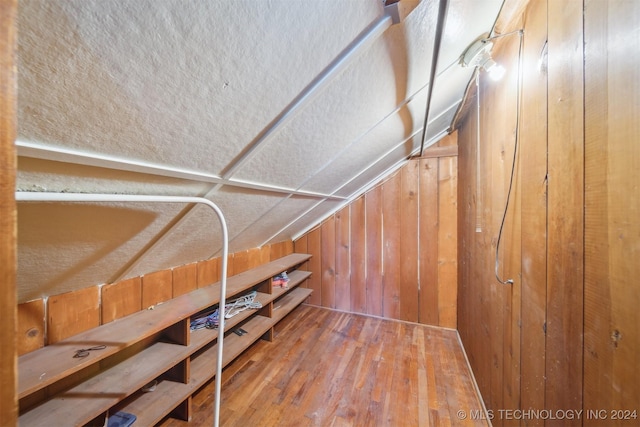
<point x="106" y="389"/>
<point x="136" y="353"/>
<point x="291" y="300"/>
<point x="152" y="407"/>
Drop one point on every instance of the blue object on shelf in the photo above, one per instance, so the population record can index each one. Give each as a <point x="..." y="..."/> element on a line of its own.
<point x="121" y="419"/>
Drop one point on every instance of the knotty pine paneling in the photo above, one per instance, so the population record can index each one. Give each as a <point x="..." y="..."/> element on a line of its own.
<point x="571" y="240"/>
<point x="358" y="254"/>
<point x="391" y="212"/>
<point x="398" y="258"/>
<point x="72" y="312"/>
<point x="265" y="255"/>
<point x="373" y="250"/>
<point x="240" y="262"/>
<point x="409" y="255"/>
<point x="77" y="311"/>
<point x="533" y="185"/>
<point x="328" y="262"/>
<point x="428" y="243"/>
<point x="612" y="208"/>
<point x="120" y="299"/>
<point x="281" y="249"/>
<point x="157" y="287"/>
<point x="300" y="246"/>
<point x="185" y="279"/>
<point x="565" y="204"/>
<point x="314" y="248"/>
<point x="8" y="224"/>
<point x="208" y="272"/>
<point x="343" y="268"/>
<point x="30" y="326"/>
<point x="491" y="314"/>
<point x="447" y="241"/>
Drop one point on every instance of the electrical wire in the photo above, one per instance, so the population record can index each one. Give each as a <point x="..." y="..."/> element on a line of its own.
<point x="515" y="154"/>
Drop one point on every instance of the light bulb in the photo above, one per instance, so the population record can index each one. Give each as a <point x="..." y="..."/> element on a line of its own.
<point x="497" y="72"/>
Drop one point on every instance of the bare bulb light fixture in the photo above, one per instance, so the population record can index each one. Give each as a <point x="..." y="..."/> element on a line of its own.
<point x="479" y="55"/>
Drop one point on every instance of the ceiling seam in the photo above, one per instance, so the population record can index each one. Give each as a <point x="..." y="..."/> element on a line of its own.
<point x="372" y="183"/>
<point x="37" y="151"/>
<point x="323" y="78"/>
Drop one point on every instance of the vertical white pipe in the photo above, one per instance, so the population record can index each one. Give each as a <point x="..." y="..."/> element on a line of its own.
<point x="27" y="196"/>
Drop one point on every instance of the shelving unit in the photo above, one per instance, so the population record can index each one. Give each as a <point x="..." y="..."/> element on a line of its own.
<point x="152" y="345"/>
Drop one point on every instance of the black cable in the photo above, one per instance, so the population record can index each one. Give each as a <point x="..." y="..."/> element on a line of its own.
<point x="515" y="156"/>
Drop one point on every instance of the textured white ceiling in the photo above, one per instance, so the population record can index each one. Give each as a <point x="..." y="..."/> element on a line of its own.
<point x="279" y="111"/>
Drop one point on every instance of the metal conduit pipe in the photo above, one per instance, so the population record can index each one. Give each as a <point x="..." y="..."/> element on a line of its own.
<point x="442" y="16"/>
<point x="372" y="32"/>
<point x="28" y="196"/>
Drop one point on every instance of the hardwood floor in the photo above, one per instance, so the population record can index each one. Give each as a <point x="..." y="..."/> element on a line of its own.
<point x="328" y="368"/>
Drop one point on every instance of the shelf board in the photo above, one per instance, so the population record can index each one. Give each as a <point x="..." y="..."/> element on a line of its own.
<point x="85" y="401"/>
<point x="287" y="303"/>
<point x="295" y="278"/>
<point x="49" y="364"/>
<point x="151" y="407"/>
<point x="106" y="389"/>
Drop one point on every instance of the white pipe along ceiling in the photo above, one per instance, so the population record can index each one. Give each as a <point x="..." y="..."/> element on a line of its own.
<point x="280" y="112"/>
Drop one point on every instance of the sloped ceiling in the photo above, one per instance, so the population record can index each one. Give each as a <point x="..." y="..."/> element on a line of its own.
<point x="278" y="111"/>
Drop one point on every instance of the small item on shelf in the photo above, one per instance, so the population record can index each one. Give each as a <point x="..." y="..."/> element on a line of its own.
<point x="233" y="307"/>
<point x="281" y="280"/>
<point x="150" y="387"/>
<point x="84" y="352"/>
<point x="121" y="419"/>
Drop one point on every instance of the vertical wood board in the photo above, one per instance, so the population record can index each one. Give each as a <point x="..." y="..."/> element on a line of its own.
<point x="254" y="257"/>
<point x="533" y="178"/>
<point x="328" y="261"/>
<point x="612" y="207"/>
<point x="71" y="313"/>
<point x="565" y="203"/>
<point x="185" y="279"/>
<point x="157" y="287"/>
<point x="447" y="242"/>
<point x="207" y="272"/>
<point x="120" y="299"/>
<point x="8" y="224"/>
<point x="343" y="268"/>
<point x="373" y="218"/>
<point x="314" y="248"/>
<point x="358" y="281"/>
<point x="428" y="253"/>
<point x="391" y="247"/>
<point x="31" y="326"/>
<point x="409" y="199"/>
<point x="240" y="262"/>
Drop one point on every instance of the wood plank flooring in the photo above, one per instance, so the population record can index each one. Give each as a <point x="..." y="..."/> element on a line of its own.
<point x="328" y="368"/>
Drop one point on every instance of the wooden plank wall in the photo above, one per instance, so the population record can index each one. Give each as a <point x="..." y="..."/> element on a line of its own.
<point x="45" y="321"/>
<point x="612" y="209"/>
<point x="8" y="124"/>
<point x="565" y="335"/>
<point x="393" y="251"/>
<point x="565" y="205"/>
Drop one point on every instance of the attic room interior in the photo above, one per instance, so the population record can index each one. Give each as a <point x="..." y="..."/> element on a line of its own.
<point x="414" y="212"/>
